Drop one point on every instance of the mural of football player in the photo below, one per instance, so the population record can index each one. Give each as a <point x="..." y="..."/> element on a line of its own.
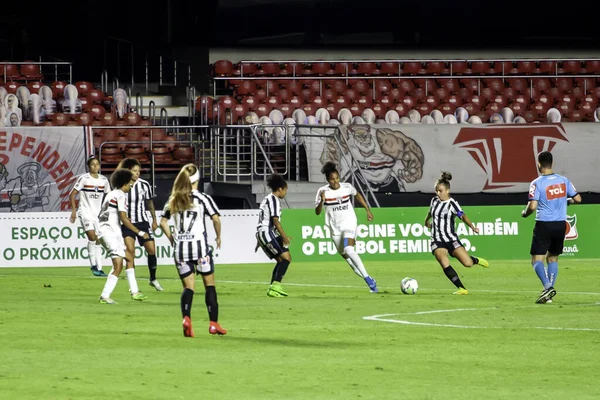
<point x="25" y="192"/>
<point x="387" y="159"/>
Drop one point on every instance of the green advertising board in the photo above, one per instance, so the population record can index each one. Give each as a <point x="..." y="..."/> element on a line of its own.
<point x="399" y="233"/>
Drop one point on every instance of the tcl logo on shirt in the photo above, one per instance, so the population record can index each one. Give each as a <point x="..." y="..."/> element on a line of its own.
<point x="556" y="191"/>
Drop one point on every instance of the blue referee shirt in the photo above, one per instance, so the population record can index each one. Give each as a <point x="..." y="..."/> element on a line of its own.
<point x="551" y="193"/>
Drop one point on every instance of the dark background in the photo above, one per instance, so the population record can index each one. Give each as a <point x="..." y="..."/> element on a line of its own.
<point x="77" y="31"/>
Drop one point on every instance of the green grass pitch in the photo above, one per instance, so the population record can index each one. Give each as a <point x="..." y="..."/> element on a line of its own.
<point x="330" y="339"/>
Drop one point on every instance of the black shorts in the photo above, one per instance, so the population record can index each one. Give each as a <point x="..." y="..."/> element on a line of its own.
<point x="450" y="246"/>
<point x="548" y="237"/>
<point x="142" y="226"/>
<point x="272" y="245"/>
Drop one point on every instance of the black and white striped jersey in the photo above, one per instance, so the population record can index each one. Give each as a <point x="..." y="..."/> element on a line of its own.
<point x="140" y="192"/>
<point x="270" y="207"/>
<point x="190" y="227"/>
<point x="443" y="215"/>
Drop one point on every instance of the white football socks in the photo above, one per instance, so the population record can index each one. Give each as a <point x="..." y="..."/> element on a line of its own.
<point x="91" y="248"/>
<point x="109" y="286"/>
<point x="99" y="256"/>
<point x="351" y="264"/>
<point x="133" y="286"/>
<point x="358" y="264"/>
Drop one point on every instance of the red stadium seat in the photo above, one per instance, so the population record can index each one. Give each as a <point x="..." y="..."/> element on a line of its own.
<point x="518" y="84"/>
<point x="433" y="101"/>
<point x="480" y="67"/>
<point x="247" y="69"/>
<point x="408" y="101"/>
<point x="564" y="84"/>
<point x="547" y="67"/>
<point x="333" y="109"/>
<point x="411" y="68"/>
<point x="509" y="68"/>
<point x="526" y="67"/>
<point x="330" y="94"/>
<point x="319" y="102"/>
<point x="401" y="108"/>
<point x="246" y="87"/>
<point x="365" y="101"/>
<point x="436" y="68"/>
<point x="10" y="72"/>
<point x="83" y="87"/>
<point x="382" y="86"/>
<point x="342" y="102"/>
<point x="592" y="67"/>
<point x="390" y="68"/>
<point x="34" y="86"/>
<point x="367" y="68"/>
<point x="406" y="86"/>
<point x="570" y="67"/>
<point x="223" y="68"/>
<point x="460" y="68"/>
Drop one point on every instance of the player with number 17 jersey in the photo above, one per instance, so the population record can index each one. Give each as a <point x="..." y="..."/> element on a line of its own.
<point x="189" y="234"/>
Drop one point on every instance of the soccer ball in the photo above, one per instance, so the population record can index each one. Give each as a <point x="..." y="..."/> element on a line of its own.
<point x="409" y="285"/>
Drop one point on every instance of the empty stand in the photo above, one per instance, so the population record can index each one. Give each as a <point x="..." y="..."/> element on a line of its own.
<point x="531" y="86"/>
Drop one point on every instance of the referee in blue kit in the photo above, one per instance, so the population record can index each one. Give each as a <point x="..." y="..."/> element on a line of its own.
<point x="549" y="196"/>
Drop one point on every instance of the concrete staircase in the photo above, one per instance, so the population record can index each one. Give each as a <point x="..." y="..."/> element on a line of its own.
<point x="299" y="194"/>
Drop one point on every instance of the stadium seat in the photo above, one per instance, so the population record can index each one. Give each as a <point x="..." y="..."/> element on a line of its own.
<point x="546" y="67"/>
<point x="436" y="68"/>
<point x="411" y="68"/>
<point x="570" y="67"/>
<point x="526" y="67"/>
<point x="390" y="68"/>
<point x="223" y="68"/>
<point x="83" y="87"/>
<point x="480" y="67"/>
<point x="11" y="72"/>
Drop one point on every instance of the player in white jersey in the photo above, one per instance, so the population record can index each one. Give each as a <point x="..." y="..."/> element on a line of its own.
<point x="444" y="240"/>
<point x="91" y="187"/>
<point x="188" y="207"/>
<point x="341" y="220"/>
<point x="112" y="215"/>
<point x="139" y="204"/>
<point x="270" y="235"/>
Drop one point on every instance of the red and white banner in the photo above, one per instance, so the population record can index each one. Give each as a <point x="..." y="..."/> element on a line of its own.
<point x="494" y="158"/>
<point x="38" y="166"/>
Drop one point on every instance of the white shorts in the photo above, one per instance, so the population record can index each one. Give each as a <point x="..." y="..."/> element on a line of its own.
<point x="347" y="230"/>
<point x="112" y="241"/>
<point x="340" y="233"/>
<point x="89" y="223"/>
